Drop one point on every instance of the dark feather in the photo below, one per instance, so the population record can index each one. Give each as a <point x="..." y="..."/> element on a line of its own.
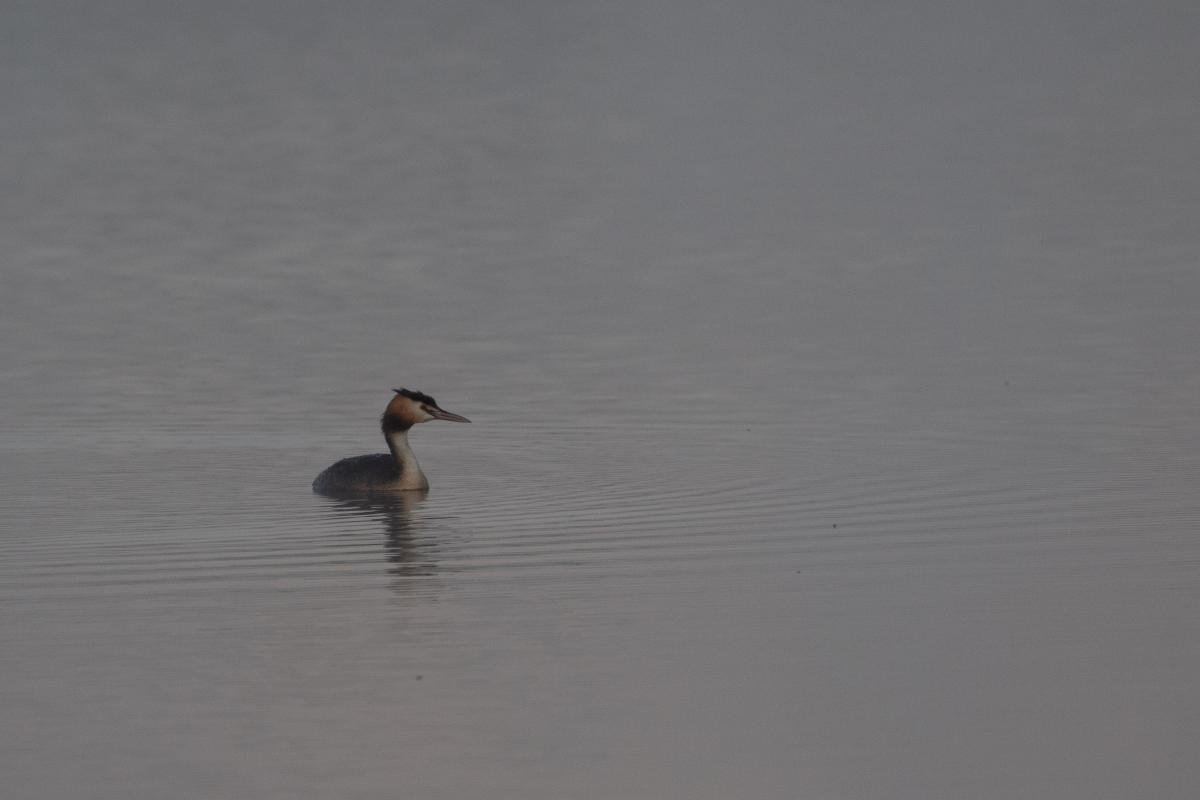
<point x="359" y="473"/>
<point x="418" y="396"/>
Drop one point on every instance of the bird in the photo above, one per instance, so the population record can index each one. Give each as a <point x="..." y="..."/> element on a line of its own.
<point x="398" y="469"/>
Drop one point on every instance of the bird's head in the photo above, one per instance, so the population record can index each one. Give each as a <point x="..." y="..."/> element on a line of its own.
<point x="409" y="407"/>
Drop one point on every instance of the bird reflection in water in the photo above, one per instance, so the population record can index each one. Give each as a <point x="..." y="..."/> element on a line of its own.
<point x="407" y="553"/>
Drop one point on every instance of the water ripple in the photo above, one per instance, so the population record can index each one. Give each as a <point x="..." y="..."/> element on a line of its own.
<point x="626" y="504"/>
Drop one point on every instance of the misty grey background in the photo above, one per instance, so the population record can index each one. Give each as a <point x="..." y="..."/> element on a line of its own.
<point x="832" y="369"/>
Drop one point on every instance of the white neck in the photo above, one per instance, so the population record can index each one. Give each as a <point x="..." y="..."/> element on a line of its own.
<point x="411" y="476"/>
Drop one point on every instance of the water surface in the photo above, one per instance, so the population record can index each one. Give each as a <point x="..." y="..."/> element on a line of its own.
<point x="832" y="377"/>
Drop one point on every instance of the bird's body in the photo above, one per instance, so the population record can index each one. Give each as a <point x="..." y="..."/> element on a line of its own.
<point x="397" y="470"/>
<point x="362" y="473"/>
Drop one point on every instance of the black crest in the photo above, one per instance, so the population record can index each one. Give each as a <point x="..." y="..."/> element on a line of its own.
<point x="418" y="396"/>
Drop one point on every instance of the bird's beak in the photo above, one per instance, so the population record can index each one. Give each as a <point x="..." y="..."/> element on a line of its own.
<point x="438" y="413"/>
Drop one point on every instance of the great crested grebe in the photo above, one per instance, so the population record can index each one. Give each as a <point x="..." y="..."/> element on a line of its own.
<point x="397" y="470"/>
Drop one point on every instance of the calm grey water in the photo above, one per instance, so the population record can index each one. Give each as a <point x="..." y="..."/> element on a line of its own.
<point x="833" y="374"/>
